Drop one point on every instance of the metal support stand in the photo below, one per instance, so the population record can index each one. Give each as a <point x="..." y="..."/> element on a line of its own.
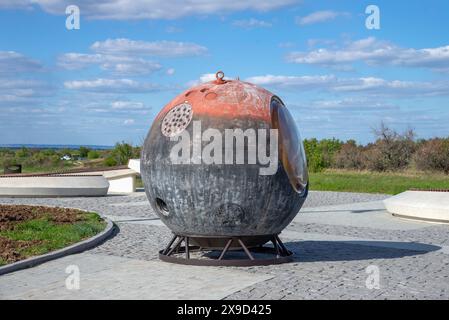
<point x="175" y="252"/>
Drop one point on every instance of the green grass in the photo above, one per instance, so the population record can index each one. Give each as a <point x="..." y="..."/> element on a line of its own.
<point x="139" y="182"/>
<point x="53" y="236"/>
<point x="55" y="168"/>
<point x="366" y="182"/>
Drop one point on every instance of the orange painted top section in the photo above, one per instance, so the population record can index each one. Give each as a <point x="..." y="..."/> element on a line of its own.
<point x="225" y="99"/>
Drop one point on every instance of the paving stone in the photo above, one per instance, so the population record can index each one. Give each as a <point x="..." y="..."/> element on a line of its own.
<point x="122" y="278"/>
<point x="334" y="239"/>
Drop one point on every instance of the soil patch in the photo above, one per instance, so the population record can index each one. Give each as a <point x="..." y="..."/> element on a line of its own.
<point x="10" y="215"/>
<point x="33" y="230"/>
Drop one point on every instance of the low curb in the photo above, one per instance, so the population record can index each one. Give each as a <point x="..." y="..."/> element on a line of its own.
<point x="72" y="249"/>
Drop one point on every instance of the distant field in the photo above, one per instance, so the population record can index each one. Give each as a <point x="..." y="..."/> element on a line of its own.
<point x="367" y="182"/>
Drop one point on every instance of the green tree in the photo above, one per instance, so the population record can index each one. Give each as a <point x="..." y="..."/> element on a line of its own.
<point x="66" y="151"/>
<point x="93" y="154"/>
<point x="84" y="151"/>
<point x="122" y="152"/>
<point x="110" y="161"/>
<point x="22" y="152"/>
<point x="321" y="154"/>
<point x="136" y="152"/>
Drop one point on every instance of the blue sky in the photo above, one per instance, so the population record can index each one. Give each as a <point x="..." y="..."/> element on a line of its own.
<point x="106" y="81"/>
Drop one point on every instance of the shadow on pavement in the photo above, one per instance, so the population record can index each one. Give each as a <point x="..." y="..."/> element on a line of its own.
<point x="347" y="211"/>
<point x="314" y="251"/>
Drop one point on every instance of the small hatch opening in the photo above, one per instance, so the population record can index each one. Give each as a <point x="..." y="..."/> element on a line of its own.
<point x="162" y="206"/>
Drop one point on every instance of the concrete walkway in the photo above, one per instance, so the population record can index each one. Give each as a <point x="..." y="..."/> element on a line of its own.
<point x="346" y="251"/>
<point x="111" y="277"/>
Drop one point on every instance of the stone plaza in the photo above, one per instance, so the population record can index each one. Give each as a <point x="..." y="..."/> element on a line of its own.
<point x="346" y="246"/>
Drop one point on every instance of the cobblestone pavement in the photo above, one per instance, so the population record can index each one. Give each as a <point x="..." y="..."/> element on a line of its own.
<point x="339" y="242"/>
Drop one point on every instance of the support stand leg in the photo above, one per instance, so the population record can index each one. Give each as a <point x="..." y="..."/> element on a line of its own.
<point x="179" y="251"/>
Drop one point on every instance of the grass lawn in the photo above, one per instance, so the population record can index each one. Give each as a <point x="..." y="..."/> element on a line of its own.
<point x="38" y="169"/>
<point x="27" y="231"/>
<point x="368" y="182"/>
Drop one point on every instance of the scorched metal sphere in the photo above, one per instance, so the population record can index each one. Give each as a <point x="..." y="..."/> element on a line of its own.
<point x="225" y="159"/>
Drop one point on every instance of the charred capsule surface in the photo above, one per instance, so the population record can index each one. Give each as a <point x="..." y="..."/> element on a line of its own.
<point x="225" y="159"/>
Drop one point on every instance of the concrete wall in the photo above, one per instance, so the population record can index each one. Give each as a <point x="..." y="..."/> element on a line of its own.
<point x="121" y="181"/>
<point x="54" y="186"/>
<point x="134" y="164"/>
<point x="126" y="184"/>
<point x="72" y="185"/>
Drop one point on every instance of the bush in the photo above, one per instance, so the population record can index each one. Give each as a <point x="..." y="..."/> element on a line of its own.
<point x="48" y="152"/>
<point x="7" y="161"/>
<point x="433" y="155"/>
<point x="84" y="152"/>
<point x="136" y="152"/>
<point x="392" y="151"/>
<point x="64" y="152"/>
<point x="320" y="154"/>
<point x="93" y="154"/>
<point x="122" y="152"/>
<point x="23" y="153"/>
<point x="350" y="156"/>
<point x="110" y="161"/>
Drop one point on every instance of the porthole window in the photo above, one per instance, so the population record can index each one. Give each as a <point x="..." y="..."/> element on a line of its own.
<point x="291" y="148"/>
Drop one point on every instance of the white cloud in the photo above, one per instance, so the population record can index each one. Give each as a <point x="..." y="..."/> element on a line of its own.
<point x="394" y="87"/>
<point x="123" y="46"/>
<point x="350" y="103"/>
<point x="320" y="16"/>
<point x="14" y="62"/>
<point x="173" y="29"/>
<point x="128" y="122"/>
<point x="120" y="65"/>
<point x="340" y="85"/>
<point x="23" y="92"/>
<point x="152" y="9"/>
<point x="127" y="105"/>
<point x="17" y="88"/>
<point x="286" y="44"/>
<point x="107" y="105"/>
<point x="252" y="23"/>
<point x="322" y="42"/>
<point x="170" y="71"/>
<point x="375" y="52"/>
<point x="127" y="57"/>
<point x="111" y="85"/>
<point x="371" y="85"/>
<point x="15" y="4"/>
<point x="206" y="77"/>
<point x="293" y="81"/>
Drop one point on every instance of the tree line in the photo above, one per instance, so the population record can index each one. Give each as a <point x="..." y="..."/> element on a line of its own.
<point x="35" y="160"/>
<point x="391" y="151"/>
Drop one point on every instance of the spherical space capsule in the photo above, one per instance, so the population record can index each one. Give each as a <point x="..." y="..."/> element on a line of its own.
<point x="225" y="159"/>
